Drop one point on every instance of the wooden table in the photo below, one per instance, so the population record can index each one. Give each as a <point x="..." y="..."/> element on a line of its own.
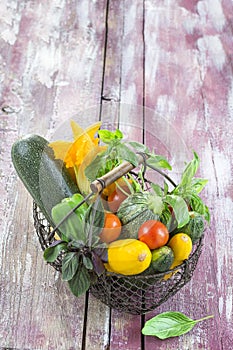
<point x="64" y="58"/>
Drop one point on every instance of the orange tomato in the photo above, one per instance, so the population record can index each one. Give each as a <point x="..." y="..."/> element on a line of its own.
<point x="117" y="197"/>
<point x="154" y="233"/>
<point x="112" y="228"/>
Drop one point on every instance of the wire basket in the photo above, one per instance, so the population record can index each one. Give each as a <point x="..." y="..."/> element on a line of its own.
<point x="135" y="294"/>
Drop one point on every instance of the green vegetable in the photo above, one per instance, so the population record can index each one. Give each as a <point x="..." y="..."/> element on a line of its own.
<point x="170" y="324"/>
<point x="74" y="227"/>
<point x="194" y="228"/>
<point x="162" y="259"/>
<point x="46" y="179"/>
<point x="82" y="250"/>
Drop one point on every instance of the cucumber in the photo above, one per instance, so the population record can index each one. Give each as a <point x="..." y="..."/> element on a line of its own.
<point x="46" y="178"/>
<point x="162" y="259"/>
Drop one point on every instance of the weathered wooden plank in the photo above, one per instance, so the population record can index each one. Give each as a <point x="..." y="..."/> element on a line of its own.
<point x="191" y="69"/>
<point x="125" y="328"/>
<point x="49" y="72"/>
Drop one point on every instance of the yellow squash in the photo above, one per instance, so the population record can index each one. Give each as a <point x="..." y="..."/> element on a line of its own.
<point x="128" y="256"/>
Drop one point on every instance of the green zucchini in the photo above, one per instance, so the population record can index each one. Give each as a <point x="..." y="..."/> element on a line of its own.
<point x="46" y="178"/>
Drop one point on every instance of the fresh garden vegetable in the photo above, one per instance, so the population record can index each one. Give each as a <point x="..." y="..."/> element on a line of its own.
<point x="128" y="256"/>
<point x="112" y="228"/>
<point x="74" y="227"/>
<point x="46" y="179"/>
<point x="170" y="324"/>
<point x="80" y="244"/>
<point x="117" y="197"/>
<point x="162" y="259"/>
<point x="130" y="229"/>
<point x="154" y="233"/>
<point x="195" y="227"/>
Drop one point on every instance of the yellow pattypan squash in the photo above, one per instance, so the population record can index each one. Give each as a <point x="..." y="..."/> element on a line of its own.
<point x="128" y="256"/>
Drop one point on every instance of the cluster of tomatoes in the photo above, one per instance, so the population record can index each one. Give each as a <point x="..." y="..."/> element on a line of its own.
<point x="152" y="232"/>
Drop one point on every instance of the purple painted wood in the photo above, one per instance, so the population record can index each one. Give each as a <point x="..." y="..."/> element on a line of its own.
<point x="60" y="58"/>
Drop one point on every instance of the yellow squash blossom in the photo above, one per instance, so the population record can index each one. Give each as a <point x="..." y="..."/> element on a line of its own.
<point x="73" y="153"/>
<point x="79" y="152"/>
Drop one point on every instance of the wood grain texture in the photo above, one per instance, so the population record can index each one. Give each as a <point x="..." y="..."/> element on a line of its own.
<point x="82" y="58"/>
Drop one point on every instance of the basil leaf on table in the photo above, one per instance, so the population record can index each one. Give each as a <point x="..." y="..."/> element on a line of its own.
<point x="170" y="324"/>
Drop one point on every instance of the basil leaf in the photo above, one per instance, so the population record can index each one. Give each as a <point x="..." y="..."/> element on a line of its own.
<point x="157" y="189"/>
<point x="70" y="264"/>
<point x="80" y="283"/>
<point x="189" y="172"/>
<point x="98" y="264"/>
<point x="124" y="153"/>
<point x="108" y="136"/>
<point x="87" y="262"/>
<point x="93" y="168"/>
<point x="51" y="253"/>
<point x="157" y="161"/>
<point x="139" y="147"/>
<point x="170" y="324"/>
<point x="198" y="184"/>
<point x="180" y="209"/>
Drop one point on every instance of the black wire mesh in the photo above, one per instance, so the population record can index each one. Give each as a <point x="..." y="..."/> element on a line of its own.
<point x="132" y="294"/>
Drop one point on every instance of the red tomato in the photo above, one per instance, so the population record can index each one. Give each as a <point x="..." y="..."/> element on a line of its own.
<point x="116" y="198"/>
<point x="154" y="233"/>
<point x="112" y="228"/>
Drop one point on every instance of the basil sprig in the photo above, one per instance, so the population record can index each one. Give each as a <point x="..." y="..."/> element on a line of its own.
<point x="170" y="324"/>
<point x="119" y="150"/>
<point x="80" y="245"/>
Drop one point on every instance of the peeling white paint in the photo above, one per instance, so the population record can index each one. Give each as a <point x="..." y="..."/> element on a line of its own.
<point x="211" y="47"/>
<point x="230" y="99"/>
<point x="229" y="304"/>
<point x="166" y="105"/>
<point x="212" y="10"/>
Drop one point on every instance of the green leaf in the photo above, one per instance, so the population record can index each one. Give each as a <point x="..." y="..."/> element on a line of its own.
<point x="51" y="253"/>
<point x="72" y="227"/>
<point x="108" y="136"/>
<point x="157" y="189"/>
<point x="87" y="262"/>
<point x="198" y="184"/>
<point x="189" y="172"/>
<point x="199" y="206"/>
<point x="70" y="264"/>
<point x="165" y="188"/>
<point x="158" y="162"/>
<point x="170" y="324"/>
<point x="124" y="153"/>
<point x="80" y="283"/>
<point x="93" y="168"/>
<point x="139" y="147"/>
<point x="180" y="209"/>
